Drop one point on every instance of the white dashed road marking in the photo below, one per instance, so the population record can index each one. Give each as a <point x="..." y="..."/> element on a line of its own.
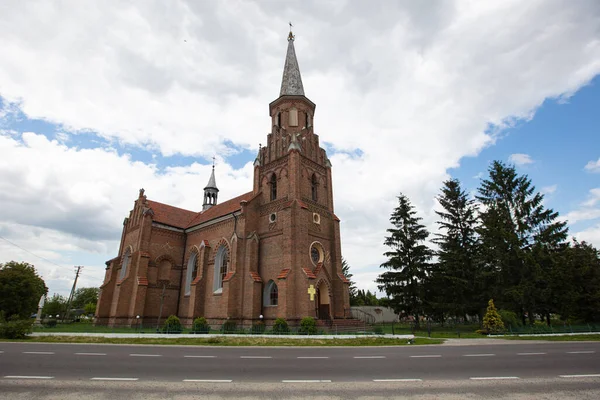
<point x="581" y="376"/>
<point x="113" y="379"/>
<point x="90" y="354"/>
<point x="38" y="352"/>
<point x="489" y="378"/>
<point x="478" y="355"/>
<point x="427" y="356"/>
<point x="199" y="356"/>
<point x="145" y="355"/>
<point x="306" y="381"/>
<point x="27" y="377"/>
<point x="256" y="357"/>
<point x="398" y="380"/>
<point x="311" y="358"/>
<point x="581" y="352"/>
<point x="369" y="357"/>
<point x="530" y="354"/>
<point x="209" y="380"/>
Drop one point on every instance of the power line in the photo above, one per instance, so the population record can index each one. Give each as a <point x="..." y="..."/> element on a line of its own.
<point x="33" y="254"/>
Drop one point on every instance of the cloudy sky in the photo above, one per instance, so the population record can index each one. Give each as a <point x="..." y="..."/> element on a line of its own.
<point x="99" y="99"/>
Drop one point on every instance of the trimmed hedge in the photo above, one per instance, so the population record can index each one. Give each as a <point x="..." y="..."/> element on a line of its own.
<point x="308" y="326"/>
<point x="280" y="326"/>
<point x="172" y="325"/>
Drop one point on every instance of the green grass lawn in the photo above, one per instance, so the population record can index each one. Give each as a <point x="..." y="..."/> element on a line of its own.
<point x="233" y="341"/>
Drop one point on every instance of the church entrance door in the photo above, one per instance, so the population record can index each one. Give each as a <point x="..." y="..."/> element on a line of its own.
<point x="323" y="301"/>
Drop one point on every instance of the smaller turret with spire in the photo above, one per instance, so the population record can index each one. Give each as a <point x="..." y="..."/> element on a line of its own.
<point x="211" y="191"/>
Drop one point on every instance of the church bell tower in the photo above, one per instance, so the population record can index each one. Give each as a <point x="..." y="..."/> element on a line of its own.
<point x="292" y="177"/>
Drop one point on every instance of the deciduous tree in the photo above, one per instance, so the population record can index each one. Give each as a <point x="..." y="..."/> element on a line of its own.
<point x="20" y="289"/>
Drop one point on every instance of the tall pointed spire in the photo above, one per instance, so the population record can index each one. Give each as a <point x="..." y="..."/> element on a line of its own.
<point x="291" y="83"/>
<point x="210" y="191"/>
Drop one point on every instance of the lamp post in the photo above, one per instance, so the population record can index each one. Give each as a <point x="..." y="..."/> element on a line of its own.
<point x="137" y="317"/>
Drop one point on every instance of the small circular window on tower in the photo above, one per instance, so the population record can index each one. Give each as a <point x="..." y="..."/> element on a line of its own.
<point x="316" y="253"/>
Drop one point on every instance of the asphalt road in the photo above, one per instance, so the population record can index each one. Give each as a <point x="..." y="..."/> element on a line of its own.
<point x="562" y="361"/>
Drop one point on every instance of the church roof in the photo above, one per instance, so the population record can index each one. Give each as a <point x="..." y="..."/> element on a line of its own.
<point x="169" y="215"/>
<point x="291" y="83"/>
<point x="180" y="218"/>
<point x="212" y="183"/>
<point x="219" y="210"/>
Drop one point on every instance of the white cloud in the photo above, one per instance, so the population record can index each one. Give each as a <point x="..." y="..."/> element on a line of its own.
<point x="593" y="166"/>
<point x="520" y="159"/>
<point x="589" y="210"/>
<point x="413" y="86"/>
<point x="549" y="189"/>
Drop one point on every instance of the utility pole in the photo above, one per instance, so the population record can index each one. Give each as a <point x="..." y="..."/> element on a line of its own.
<point x="66" y="314"/>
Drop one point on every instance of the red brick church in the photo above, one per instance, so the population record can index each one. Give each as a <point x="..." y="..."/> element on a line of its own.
<point x="274" y="251"/>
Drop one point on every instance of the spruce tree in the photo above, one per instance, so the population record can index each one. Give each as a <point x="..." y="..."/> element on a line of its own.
<point x="407" y="262"/>
<point x="454" y="277"/>
<point x="517" y="232"/>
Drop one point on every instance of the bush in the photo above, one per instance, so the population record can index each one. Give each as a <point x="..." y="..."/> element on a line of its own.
<point x="509" y="318"/>
<point x="229" y="327"/>
<point x="50" y="323"/>
<point x="258" y="327"/>
<point x="308" y="326"/>
<point x="200" y="325"/>
<point x="280" y="326"/>
<point x="492" y="321"/>
<point x="15" y="328"/>
<point x="172" y="325"/>
<point x="378" y="330"/>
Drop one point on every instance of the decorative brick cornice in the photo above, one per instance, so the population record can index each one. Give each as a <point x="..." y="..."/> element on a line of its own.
<point x="309" y="273"/>
<point x="142" y="281"/>
<point x="255" y="276"/>
<point x="144" y="254"/>
<point x="284" y="273"/>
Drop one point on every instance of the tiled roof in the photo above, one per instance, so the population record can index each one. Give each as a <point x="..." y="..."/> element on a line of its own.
<point x="309" y="273"/>
<point x="255" y="276"/>
<point x="180" y="218"/>
<point x="343" y="278"/>
<point x="219" y="210"/>
<point x="142" y="281"/>
<point x="284" y="273"/>
<point x="318" y="269"/>
<point x="169" y="215"/>
<point x="228" y="276"/>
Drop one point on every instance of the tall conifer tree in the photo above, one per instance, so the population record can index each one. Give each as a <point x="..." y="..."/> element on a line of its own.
<point x="455" y="275"/>
<point x="516" y="229"/>
<point x="408" y="259"/>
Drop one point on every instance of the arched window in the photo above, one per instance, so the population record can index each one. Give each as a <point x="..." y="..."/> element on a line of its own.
<point x="313" y="186"/>
<point x="192" y="271"/>
<point x="278" y="120"/>
<point x="221" y="264"/>
<point x="271" y="294"/>
<point x="273" y="186"/>
<point x="126" y="261"/>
